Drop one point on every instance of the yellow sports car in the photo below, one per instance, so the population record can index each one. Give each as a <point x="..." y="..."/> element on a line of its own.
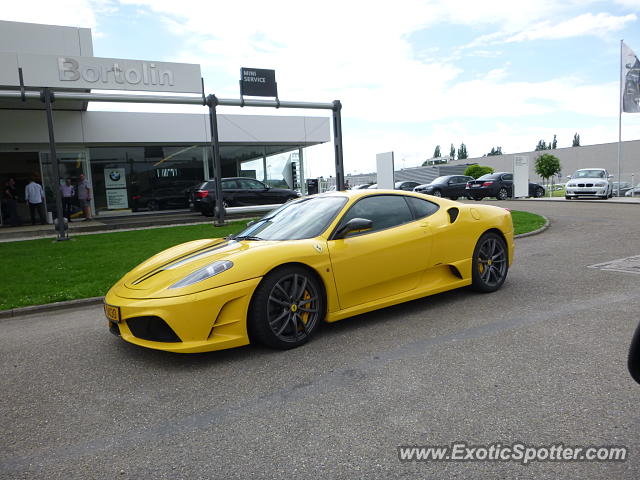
<point x="323" y="257"/>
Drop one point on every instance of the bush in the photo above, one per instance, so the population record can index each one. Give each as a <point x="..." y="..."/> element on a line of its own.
<point x="477" y="171"/>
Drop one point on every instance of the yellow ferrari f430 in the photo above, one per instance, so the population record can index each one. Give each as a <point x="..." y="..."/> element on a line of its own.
<point x="320" y="258"/>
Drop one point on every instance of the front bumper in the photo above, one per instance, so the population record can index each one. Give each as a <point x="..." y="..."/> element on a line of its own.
<point x="211" y="320"/>
<point x="586" y="191"/>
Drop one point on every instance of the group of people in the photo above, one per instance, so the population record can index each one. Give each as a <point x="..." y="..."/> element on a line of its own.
<point x="35" y="198"/>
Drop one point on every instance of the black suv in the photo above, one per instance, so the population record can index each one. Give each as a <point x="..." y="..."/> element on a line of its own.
<point x="238" y="192"/>
<point x="450" y="186"/>
<point x="498" y="185"/>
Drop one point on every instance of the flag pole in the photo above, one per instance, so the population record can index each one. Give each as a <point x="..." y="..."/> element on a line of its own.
<point x="620" y="119"/>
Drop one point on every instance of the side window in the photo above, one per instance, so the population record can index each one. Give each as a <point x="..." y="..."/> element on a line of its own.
<point x="229" y="185"/>
<point x="508" y="177"/>
<point x="249" y="184"/>
<point x="385" y="211"/>
<point x="422" y="208"/>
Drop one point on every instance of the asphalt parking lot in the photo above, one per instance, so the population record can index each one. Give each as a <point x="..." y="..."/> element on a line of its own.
<point x="542" y="361"/>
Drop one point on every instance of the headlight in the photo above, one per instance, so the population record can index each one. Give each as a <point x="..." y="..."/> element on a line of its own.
<point x="600" y="184"/>
<point x="205" y="272"/>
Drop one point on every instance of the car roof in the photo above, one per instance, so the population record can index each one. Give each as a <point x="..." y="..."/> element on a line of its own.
<point x="373" y="192"/>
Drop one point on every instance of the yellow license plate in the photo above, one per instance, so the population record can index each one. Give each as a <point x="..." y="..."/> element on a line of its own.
<point x="112" y="313"/>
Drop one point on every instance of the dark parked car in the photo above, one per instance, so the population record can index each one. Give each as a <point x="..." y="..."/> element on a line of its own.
<point x="238" y="192"/>
<point x="450" y="186"/>
<point x="406" y="185"/>
<point x="498" y="185"/>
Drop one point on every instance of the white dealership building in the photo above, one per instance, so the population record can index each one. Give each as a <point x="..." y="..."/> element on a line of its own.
<point x="155" y="156"/>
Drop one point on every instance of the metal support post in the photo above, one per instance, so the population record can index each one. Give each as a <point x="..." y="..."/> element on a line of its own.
<point x="47" y="97"/>
<point x="212" y="103"/>
<point x="337" y="140"/>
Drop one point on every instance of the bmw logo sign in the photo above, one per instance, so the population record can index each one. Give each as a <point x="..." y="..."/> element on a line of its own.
<point x="115" y="175"/>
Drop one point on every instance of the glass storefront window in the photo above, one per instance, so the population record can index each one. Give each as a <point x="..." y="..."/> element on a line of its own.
<point x="146" y="177"/>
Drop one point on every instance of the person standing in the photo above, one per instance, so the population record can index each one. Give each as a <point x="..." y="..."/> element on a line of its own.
<point x="68" y="191"/>
<point x="84" y="196"/>
<point x="34" y="196"/>
<point x="10" y="202"/>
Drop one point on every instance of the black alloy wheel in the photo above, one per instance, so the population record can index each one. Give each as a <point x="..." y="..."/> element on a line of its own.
<point x="437" y="193"/>
<point x="286" y="308"/>
<point x="539" y="193"/>
<point x="503" y="194"/>
<point x="490" y="263"/>
<point x="153" y="205"/>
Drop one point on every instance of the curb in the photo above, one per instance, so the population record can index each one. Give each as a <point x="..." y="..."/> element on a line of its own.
<point x="49" y="307"/>
<point x="535" y="232"/>
<point x="83" y="302"/>
<point x="609" y="201"/>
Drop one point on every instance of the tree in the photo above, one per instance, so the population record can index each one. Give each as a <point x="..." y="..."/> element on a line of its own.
<point x="452" y="153"/>
<point x="462" y="152"/>
<point x="576" y="140"/>
<point x="495" y="151"/>
<point x="542" y="145"/>
<point x="476" y="171"/>
<point x="554" y="144"/>
<point x="547" y="166"/>
<point x="436" y="152"/>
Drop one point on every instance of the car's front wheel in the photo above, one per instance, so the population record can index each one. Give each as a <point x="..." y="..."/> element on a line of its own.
<point x="436" y="193"/>
<point x="490" y="263"/>
<point x="286" y="308"/>
<point x="453" y="198"/>
<point x="539" y="193"/>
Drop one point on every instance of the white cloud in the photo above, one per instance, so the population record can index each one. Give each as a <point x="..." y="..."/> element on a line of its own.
<point x="586" y="24"/>
<point x="72" y="13"/>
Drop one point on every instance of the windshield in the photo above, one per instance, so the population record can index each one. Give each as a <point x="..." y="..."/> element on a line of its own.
<point x="306" y="218"/>
<point x="589" y="174"/>
<point x="440" y="180"/>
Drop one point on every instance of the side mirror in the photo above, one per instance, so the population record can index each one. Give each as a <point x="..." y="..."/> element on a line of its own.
<point x="633" y="361"/>
<point x="353" y="225"/>
<point x="610" y="176"/>
<point x="569" y="177"/>
<point x="251" y="223"/>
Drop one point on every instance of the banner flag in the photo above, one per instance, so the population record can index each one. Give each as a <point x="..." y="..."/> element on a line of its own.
<point x="630" y="81"/>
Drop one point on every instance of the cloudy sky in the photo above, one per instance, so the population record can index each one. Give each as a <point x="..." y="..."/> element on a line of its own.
<point x="411" y="74"/>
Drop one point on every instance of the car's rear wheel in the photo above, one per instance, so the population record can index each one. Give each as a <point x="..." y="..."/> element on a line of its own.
<point x="286" y="308"/>
<point x="453" y="198"/>
<point x="153" y="205"/>
<point x="503" y="194"/>
<point x="490" y="263"/>
<point x="538" y="193"/>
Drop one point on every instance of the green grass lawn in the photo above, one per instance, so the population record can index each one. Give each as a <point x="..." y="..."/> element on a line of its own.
<point x="35" y="272"/>
<point x="524" y="222"/>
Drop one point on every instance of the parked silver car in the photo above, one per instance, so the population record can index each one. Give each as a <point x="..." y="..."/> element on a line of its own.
<point x="589" y="182"/>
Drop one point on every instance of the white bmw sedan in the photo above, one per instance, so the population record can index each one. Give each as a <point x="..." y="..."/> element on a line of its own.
<point x="589" y="182"/>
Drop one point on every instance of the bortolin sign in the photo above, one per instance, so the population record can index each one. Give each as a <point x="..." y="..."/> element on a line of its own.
<point x="109" y="74"/>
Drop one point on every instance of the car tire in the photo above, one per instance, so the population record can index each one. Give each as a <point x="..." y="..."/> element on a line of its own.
<point x="275" y="319"/>
<point x="153" y="205"/>
<point x="477" y="199"/>
<point x="538" y="193"/>
<point x="453" y="198"/>
<point x="567" y="198"/>
<point x="503" y="194"/>
<point x="437" y="193"/>
<point x="490" y="263"/>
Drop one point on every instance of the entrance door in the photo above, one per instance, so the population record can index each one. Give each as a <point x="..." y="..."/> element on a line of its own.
<point x="21" y="166"/>
<point x="71" y="165"/>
